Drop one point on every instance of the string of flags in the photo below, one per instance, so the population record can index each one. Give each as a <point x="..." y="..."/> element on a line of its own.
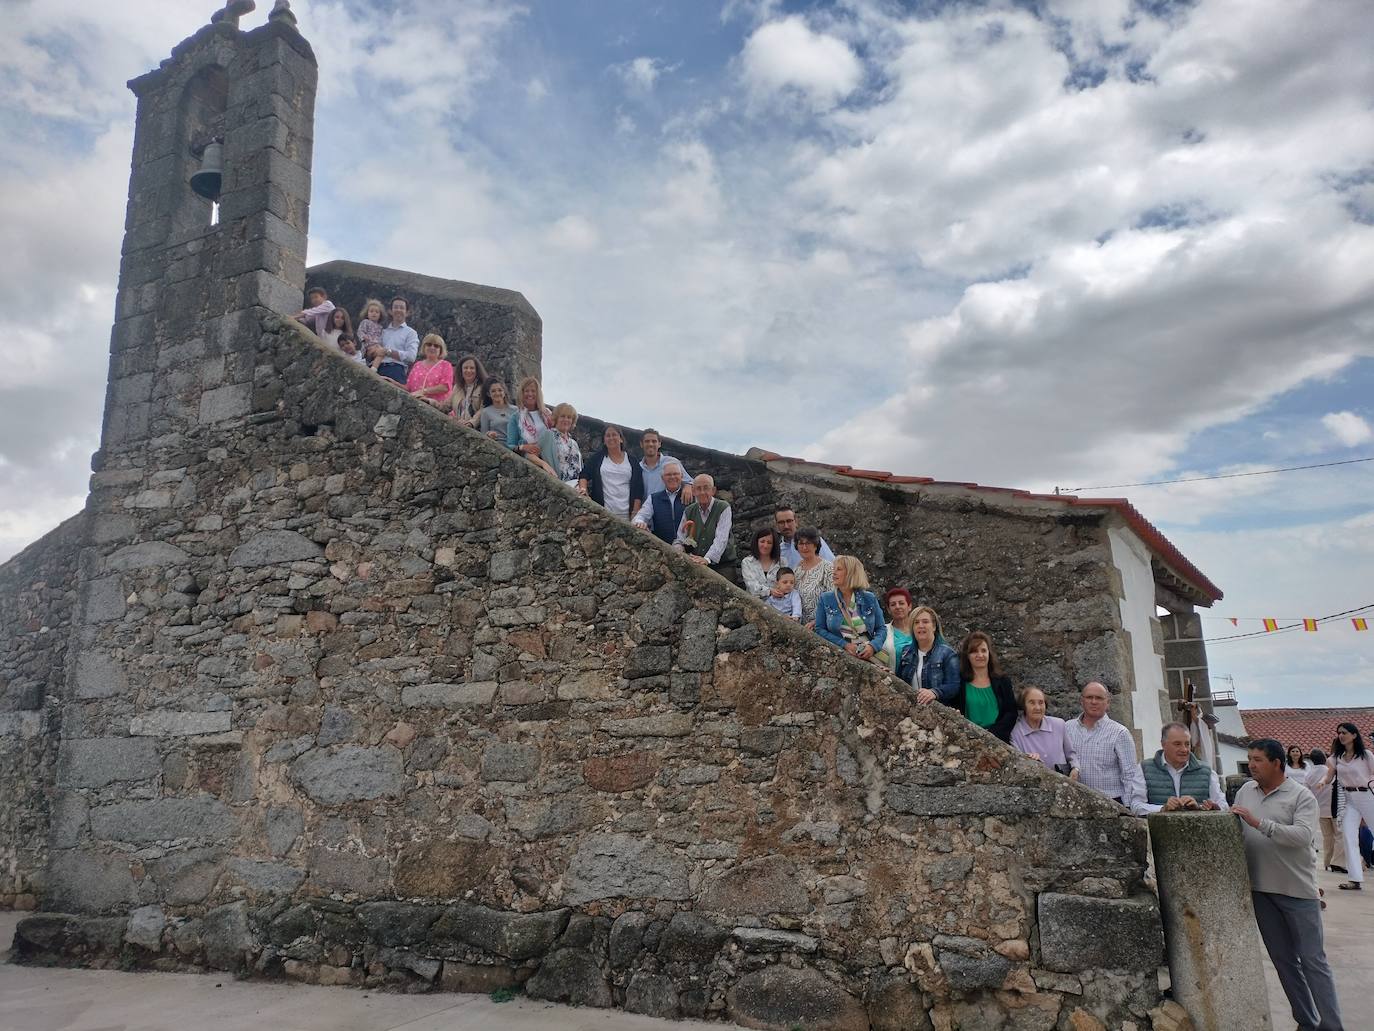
<point x="1359" y="623"/>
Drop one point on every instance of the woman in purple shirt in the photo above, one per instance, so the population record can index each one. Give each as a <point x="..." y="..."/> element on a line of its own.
<point x="1043" y="737"/>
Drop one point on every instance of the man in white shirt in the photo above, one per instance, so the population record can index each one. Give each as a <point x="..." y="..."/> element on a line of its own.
<point x="1105" y="749"/>
<point x="705" y="528"/>
<point x="401" y="342"/>
<point x="785" y="522"/>
<point x="651" y="465"/>
<point x="1175" y="778"/>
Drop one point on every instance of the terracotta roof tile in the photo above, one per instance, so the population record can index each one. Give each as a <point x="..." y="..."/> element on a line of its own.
<point x="1310" y="728"/>
<point x="1162" y="547"/>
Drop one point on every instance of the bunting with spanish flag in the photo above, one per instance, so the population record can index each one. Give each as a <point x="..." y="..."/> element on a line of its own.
<point x="1360" y="623"/>
<point x="1310" y="625"/>
<point x="1270" y="625"/>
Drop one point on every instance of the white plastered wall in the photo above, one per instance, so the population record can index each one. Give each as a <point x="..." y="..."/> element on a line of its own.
<point x="1132" y="560"/>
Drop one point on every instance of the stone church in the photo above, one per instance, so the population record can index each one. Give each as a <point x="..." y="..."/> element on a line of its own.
<point x="321" y="686"/>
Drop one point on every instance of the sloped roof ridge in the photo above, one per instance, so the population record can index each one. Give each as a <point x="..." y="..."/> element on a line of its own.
<point x="1164" y="549"/>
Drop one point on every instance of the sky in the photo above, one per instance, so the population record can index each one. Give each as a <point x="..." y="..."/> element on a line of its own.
<point x="1038" y="244"/>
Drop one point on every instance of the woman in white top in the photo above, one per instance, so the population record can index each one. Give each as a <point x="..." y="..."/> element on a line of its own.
<point x="612" y="478"/>
<point x="759" y="569"/>
<point x="1352" y="766"/>
<point x="1296" y="766"/>
<point x="1333" y="843"/>
<point x="467" y="392"/>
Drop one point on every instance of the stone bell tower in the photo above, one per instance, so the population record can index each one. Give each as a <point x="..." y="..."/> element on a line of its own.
<point x="198" y="265"/>
<point x="215" y="239"/>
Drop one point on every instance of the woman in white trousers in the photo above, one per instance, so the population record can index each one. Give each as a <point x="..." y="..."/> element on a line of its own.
<point x="1352" y="766"/>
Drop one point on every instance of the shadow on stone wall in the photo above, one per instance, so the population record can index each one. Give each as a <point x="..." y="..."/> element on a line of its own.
<point x="397" y="709"/>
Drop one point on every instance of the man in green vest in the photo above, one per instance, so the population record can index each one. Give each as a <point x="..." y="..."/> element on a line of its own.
<point x="704" y="533"/>
<point x="1175" y="778"/>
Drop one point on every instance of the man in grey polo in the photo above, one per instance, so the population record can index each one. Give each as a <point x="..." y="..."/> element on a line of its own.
<point x="1279" y="823"/>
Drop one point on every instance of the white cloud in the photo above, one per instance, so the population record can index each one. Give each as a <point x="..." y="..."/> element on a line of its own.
<point x="536" y="90"/>
<point x="1348" y="428"/>
<point x="643" y="72"/>
<point x="574" y="233"/>
<point x="787" y="55"/>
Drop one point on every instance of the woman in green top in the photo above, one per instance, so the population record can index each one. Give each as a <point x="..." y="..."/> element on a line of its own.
<point x="986" y="697"/>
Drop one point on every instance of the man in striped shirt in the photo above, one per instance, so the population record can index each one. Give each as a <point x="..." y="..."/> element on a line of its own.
<point x="1104" y="748"/>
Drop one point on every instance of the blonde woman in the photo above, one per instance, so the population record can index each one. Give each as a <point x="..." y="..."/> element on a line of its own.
<point x="431" y="378"/>
<point x="530" y="420"/>
<point x="849" y="617"/>
<point x="560" y="450"/>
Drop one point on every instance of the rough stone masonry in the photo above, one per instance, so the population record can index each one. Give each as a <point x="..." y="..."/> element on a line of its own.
<point x="352" y="695"/>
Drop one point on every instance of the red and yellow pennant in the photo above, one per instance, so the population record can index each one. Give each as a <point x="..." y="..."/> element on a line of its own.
<point x="1310" y="625"/>
<point x="1270" y="625"/>
<point x="1360" y="624"/>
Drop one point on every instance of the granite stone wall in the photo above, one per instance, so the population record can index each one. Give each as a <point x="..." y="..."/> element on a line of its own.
<point x="37" y="590"/>
<point x="372" y="701"/>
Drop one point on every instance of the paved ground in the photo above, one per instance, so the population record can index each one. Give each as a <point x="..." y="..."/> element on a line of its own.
<point x="101" y="1000"/>
<point x="1349" y="947"/>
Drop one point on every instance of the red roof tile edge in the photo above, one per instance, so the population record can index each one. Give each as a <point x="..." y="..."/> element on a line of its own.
<point x="1160" y="545"/>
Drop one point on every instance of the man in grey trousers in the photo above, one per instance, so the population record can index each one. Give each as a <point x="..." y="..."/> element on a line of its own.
<point x="1280" y="831"/>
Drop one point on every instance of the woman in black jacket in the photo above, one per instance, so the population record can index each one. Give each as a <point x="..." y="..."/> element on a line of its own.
<point x="985" y="697"/>
<point x="611" y="478"/>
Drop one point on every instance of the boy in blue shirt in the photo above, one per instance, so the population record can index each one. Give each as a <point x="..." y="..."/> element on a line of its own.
<point x="785" y="597"/>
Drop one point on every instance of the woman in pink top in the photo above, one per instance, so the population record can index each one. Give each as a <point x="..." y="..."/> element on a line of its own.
<point x="1353" y="766"/>
<point x="431" y="378"/>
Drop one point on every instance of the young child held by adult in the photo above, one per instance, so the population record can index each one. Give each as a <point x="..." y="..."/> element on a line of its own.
<point x="370" y="323"/>
<point x="784" y="596"/>
<point x="349" y="346"/>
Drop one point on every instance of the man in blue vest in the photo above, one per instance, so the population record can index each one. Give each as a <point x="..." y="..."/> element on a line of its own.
<point x="1175" y="778"/>
<point x="664" y="511"/>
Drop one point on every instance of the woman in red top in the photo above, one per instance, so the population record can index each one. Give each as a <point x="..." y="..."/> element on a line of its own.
<point x="431" y="378"/>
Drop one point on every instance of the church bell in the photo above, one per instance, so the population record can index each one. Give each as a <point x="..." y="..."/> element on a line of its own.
<point x="207" y="180"/>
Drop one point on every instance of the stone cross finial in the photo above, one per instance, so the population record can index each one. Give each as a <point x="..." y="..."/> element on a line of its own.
<point x="232" y="11"/>
<point x="281" y="11"/>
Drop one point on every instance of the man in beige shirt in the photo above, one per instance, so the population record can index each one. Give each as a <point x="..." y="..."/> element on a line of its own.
<point x="1279" y="822"/>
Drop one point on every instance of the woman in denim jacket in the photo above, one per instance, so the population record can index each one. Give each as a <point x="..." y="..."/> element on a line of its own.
<point x="849" y="616"/>
<point x="930" y="665"/>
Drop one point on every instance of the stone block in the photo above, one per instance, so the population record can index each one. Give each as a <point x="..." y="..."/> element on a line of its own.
<point x="99" y="676"/>
<point x="163" y="819"/>
<point x="269" y="547"/>
<point x="226" y="937"/>
<point x="627" y="934"/>
<point x="350" y="773"/>
<point x="696" y="649"/>
<point x="653" y="995"/>
<point x="1079" y="933"/>
<point x="165" y="723"/>
<point x="348" y="871"/>
<point x="266" y="878"/>
<point x="449" y="696"/>
<point x="516" y="936"/>
<point x="148" y="555"/>
<point x="479" y="979"/>
<point x="967" y="800"/>
<point x="759" y="887"/>
<point x="95" y="762"/>
<point x="571" y="976"/>
<point x="231" y="401"/>
<point x="102" y="599"/>
<point x="398" y="923"/>
<point x="765" y="939"/>
<point x="1209" y="919"/>
<point x="781" y="998"/>
<point x="607" y="866"/>
<point x="145" y="928"/>
<point x="509" y="762"/>
<point x="89" y="882"/>
<point x="691" y="939"/>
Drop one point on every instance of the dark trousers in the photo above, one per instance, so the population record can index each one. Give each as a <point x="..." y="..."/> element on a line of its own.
<point x="393" y="370"/>
<point x="1292" y="933"/>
